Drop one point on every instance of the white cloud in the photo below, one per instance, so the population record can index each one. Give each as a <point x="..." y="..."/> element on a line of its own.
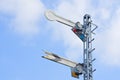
<point x="73" y="9"/>
<point x="26" y="14"/>
<point x="104" y="13"/>
<point x="111" y="40"/>
<point x="107" y="41"/>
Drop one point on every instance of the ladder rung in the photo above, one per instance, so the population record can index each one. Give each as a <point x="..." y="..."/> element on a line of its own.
<point x="92" y="50"/>
<point x="93" y="60"/>
<point x="91" y="40"/>
<point x="94" y="70"/>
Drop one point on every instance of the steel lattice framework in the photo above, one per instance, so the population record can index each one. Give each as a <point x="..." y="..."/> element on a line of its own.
<point x="87" y="46"/>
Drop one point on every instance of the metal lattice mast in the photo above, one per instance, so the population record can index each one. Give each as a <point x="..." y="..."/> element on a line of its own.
<point x="87" y="47"/>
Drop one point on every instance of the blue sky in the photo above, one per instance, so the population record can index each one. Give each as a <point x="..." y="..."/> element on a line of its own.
<point x="24" y="32"/>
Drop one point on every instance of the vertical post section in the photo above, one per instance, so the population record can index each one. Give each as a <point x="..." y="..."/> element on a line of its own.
<point x="87" y="56"/>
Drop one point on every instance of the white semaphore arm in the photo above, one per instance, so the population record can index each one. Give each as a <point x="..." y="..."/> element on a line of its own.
<point x="53" y="17"/>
